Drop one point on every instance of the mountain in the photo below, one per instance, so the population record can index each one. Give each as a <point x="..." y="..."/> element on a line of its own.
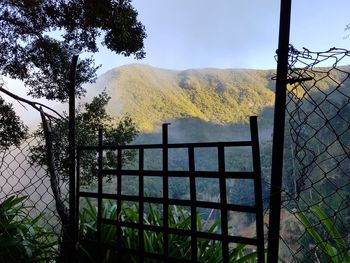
<point x="153" y="95"/>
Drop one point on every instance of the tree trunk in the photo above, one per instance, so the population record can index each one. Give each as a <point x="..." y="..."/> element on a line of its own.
<point x="67" y="251"/>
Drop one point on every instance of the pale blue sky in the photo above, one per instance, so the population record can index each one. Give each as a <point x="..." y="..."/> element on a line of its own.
<point x="230" y="33"/>
<point x="186" y="34"/>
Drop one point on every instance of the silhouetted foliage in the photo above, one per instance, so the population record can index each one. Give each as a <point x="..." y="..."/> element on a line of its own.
<point x="88" y="121"/>
<point x="12" y="129"/>
<point x="38" y="39"/>
<point x="22" y="238"/>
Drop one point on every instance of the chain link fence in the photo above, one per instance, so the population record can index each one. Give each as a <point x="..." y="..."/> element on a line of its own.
<point x="20" y="178"/>
<point x="315" y="222"/>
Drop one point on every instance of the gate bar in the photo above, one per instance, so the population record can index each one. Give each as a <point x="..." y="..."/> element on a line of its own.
<point x="141" y="208"/>
<point x="223" y="200"/>
<point x="99" y="186"/>
<point x="259" y="219"/>
<point x="191" y="168"/>
<point x="71" y="235"/>
<point x="165" y="190"/>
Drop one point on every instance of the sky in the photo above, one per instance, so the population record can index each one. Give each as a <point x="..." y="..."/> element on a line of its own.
<point x="186" y="34"/>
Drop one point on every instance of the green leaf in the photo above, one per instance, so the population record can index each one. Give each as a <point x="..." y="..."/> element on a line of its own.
<point x="320" y="243"/>
<point x="199" y="222"/>
<point x="330" y="227"/>
<point x="309" y="228"/>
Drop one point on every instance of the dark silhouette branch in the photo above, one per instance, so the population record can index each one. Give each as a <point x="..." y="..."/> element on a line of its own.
<point x="3" y="157"/>
<point x="34" y="104"/>
<point x="62" y="209"/>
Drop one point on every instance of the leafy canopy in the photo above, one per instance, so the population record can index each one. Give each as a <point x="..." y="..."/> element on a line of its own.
<point x="12" y="129"/>
<point x="39" y="37"/>
<point x="89" y="120"/>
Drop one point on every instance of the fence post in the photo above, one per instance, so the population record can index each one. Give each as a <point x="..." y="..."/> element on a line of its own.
<point x="71" y="158"/>
<point x="278" y="132"/>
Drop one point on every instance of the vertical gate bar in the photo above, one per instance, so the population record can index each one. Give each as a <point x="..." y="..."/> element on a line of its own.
<point x="278" y="132"/>
<point x="77" y="196"/>
<point x="254" y="134"/>
<point x="71" y="155"/>
<point x="192" y="178"/>
<point x="165" y="191"/>
<point x="119" y="202"/>
<point x="99" y="187"/>
<point x="223" y="204"/>
<point x="141" y="206"/>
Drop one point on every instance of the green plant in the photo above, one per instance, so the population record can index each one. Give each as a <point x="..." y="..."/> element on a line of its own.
<point x="333" y="247"/>
<point x="22" y="239"/>
<point x="88" y="232"/>
<point x="180" y="246"/>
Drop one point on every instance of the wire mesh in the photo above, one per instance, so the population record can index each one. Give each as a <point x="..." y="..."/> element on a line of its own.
<point x="316" y="214"/>
<point x="20" y="178"/>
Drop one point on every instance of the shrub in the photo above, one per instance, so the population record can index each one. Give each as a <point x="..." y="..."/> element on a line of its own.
<point x="22" y="239"/>
<point x="208" y="250"/>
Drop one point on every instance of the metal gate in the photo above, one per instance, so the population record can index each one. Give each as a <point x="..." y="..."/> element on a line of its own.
<point x="165" y="230"/>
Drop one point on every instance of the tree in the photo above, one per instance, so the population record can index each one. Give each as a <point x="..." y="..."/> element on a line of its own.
<point x="39" y="37"/>
<point x="53" y="153"/>
<point x="89" y="120"/>
<point x="12" y="129"/>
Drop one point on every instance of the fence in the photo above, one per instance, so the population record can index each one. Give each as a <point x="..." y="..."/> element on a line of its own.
<point x="315" y="207"/>
<point x="19" y="177"/>
<point x="316" y="212"/>
<point x="164" y="230"/>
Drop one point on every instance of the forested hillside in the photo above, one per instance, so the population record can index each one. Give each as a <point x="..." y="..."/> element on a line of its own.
<point x="152" y="95"/>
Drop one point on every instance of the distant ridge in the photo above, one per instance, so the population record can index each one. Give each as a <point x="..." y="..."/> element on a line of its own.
<point x="153" y="95"/>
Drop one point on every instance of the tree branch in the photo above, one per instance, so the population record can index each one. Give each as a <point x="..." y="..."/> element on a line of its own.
<point x="62" y="209"/>
<point x="3" y="158"/>
<point x="35" y="105"/>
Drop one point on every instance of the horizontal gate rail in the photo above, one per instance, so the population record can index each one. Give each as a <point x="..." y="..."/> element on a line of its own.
<point x="169" y="146"/>
<point x="222" y="205"/>
<point x="233" y="175"/>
